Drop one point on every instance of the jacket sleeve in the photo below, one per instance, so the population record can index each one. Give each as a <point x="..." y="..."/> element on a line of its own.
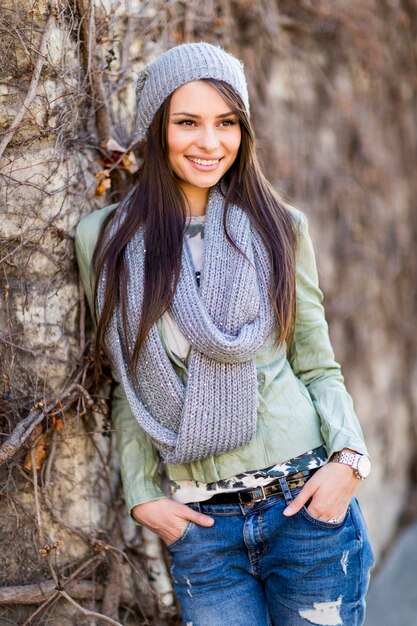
<point x="312" y="358"/>
<point x="138" y="458"/>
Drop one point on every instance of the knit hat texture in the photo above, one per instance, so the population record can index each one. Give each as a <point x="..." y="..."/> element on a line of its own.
<point x="180" y="65"/>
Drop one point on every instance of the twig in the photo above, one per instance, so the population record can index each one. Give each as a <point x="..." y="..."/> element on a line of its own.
<point x="44" y="550"/>
<point x="21" y="433"/>
<point x="46" y="590"/>
<point x="31" y="94"/>
<point x="114" y="582"/>
<point x="93" y="71"/>
<point x="35" y="353"/>
<point x="109" y="620"/>
<point x="45" y="553"/>
<point x="36" y="494"/>
<point x="48" y="466"/>
<point x="56" y="516"/>
<point x="24" y="429"/>
<point x="96" y="560"/>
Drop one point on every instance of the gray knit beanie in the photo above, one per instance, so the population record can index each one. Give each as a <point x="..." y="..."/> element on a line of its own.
<point x="180" y="65"/>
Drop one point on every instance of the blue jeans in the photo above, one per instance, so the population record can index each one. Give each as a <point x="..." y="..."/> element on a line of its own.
<point x="256" y="567"/>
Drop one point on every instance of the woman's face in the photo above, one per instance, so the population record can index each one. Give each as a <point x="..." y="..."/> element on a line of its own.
<point x="203" y="139"/>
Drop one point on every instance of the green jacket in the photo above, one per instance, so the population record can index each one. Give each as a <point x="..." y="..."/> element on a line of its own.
<point x="303" y="400"/>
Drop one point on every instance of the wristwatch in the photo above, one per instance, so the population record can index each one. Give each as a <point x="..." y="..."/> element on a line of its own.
<point x="360" y="463"/>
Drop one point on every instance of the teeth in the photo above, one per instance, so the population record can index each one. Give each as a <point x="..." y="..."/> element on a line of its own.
<point x="204" y="161"/>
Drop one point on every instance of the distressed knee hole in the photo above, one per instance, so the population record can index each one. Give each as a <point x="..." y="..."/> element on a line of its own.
<point x="323" y="613"/>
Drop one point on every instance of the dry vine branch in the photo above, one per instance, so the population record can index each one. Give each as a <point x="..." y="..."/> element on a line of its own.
<point x="109" y="620"/>
<point x="45" y="553"/>
<point x="72" y="130"/>
<point x="114" y="583"/>
<point x="24" y="429"/>
<point x="46" y="590"/>
<point x="86" y="568"/>
<point x="93" y="70"/>
<point x="22" y="432"/>
<point x="35" y="353"/>
<point x="31" y="94"/>
<point x="56" y="515"/>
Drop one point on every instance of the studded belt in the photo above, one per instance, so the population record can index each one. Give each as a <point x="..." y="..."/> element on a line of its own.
<point x="248" y="496"/>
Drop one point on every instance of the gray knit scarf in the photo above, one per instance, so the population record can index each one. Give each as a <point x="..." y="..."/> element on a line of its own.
<point x="226" y="322"/>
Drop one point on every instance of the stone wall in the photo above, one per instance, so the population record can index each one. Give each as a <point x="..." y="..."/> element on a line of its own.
<point x="343" y="145"/>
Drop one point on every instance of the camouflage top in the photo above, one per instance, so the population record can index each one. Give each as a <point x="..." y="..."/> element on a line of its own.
<point x="195" y="491"/>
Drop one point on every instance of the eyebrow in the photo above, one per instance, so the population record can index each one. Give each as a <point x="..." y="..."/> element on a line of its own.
<point x="223" y="115"/>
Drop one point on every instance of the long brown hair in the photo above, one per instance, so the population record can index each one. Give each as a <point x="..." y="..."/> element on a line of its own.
<point x="157" y="203"/>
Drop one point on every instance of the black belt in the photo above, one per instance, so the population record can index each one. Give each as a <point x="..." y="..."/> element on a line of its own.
<point x="247" y="496"/>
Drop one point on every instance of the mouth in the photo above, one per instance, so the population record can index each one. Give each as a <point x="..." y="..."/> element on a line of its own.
<point x="204" y="164"/>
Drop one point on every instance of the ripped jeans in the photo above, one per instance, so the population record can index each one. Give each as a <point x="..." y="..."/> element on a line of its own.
<point x="256" y="567"/>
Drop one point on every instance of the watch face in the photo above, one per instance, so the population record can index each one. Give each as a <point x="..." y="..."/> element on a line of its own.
<point x="364" y="466"/>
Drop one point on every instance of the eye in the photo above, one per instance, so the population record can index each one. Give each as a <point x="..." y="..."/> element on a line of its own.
<point x="231" y="122"/>
<point x="185" y="123"/>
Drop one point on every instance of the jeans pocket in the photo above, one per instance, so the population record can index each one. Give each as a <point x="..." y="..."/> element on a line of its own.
<point x="182" y="536"/>
<point x="322" y="523"/>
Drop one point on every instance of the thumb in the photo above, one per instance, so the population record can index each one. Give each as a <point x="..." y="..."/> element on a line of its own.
<point x="299" y="501"/>
<point x="200" y="518"/>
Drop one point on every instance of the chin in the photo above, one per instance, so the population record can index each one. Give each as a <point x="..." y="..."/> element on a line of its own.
<point x="209" y="182"/>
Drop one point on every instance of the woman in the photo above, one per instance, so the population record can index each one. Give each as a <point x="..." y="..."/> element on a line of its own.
<point x="208" y="305"/>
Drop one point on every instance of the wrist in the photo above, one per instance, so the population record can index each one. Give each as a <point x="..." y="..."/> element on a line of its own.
<point x="359" y="463"/>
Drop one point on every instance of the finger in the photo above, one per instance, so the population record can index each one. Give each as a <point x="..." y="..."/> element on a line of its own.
<point x="300" y="500"/>
<point x="200" y="518"/>
<point x="335" y="518"/>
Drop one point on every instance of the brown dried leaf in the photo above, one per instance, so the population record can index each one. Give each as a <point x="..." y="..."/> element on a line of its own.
<point x="39" y="450"/>
<point x="117" y="154"/>
<point x="104" y="182"/>
<point x="129" y="163"/>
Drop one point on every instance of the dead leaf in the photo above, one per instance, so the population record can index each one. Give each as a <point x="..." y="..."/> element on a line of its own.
<point x="104" y="182"/>
<point x="117" y="154"/>
<point x="129" y="163"/>
<point x="39" y="450"/>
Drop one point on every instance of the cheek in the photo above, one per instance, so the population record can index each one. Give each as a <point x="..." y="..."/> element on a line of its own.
<point x="235" y="142"/>
<point x="175" y="143"/>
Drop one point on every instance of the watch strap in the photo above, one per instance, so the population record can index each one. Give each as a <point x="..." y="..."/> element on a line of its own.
<point x="348" y="458"/>
<point x="353" y="459"/>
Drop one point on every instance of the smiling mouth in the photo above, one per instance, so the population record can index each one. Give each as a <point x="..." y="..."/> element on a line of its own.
<point x="205" y="162"/>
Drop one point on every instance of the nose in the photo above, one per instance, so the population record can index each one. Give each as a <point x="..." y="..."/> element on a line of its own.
<point x="208" y="138"/>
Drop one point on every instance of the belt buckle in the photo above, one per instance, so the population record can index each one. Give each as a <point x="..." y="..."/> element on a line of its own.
<point x="260" y="498"/>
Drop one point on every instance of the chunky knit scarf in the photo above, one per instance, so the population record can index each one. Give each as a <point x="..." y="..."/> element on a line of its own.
<point x="226" y="322"/>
